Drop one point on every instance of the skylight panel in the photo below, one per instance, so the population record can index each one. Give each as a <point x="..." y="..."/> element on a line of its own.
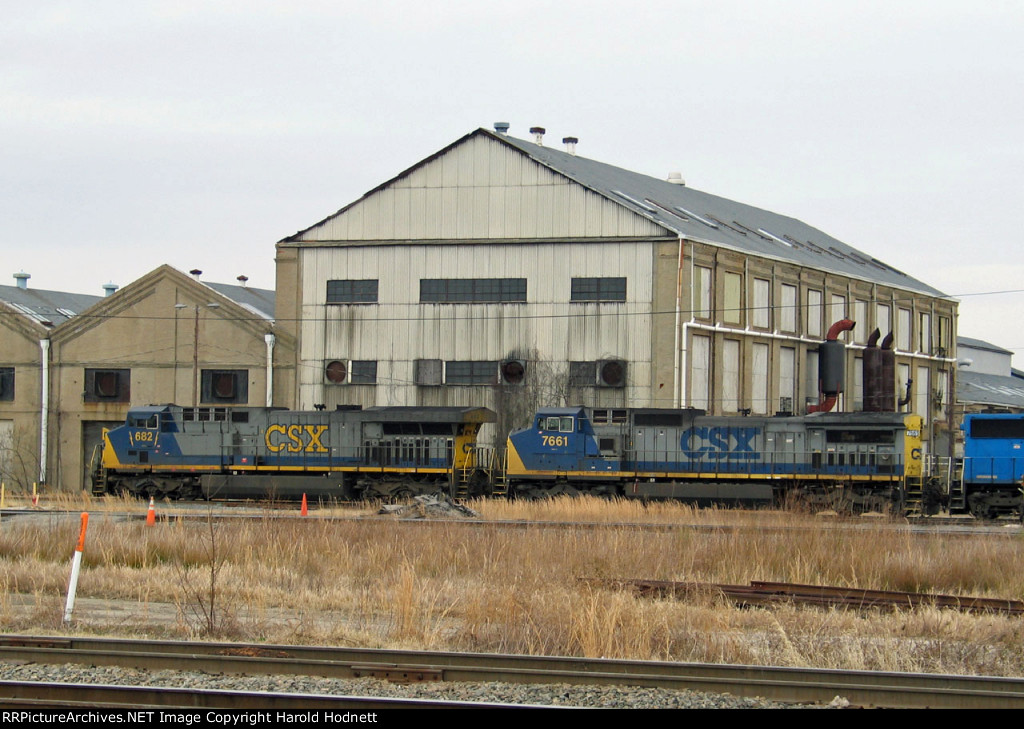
<point x="775" y="238"/>
<point x="706" y="222"/>
<point x="66" y="312"/>
<point x="32" y="313"/>
<point x="642" y="205"/>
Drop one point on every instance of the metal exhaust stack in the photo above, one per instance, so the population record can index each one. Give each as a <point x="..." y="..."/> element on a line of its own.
<point x="831" y="366"/>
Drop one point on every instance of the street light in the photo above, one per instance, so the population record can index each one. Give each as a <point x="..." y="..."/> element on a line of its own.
<point x="195" y="348"/>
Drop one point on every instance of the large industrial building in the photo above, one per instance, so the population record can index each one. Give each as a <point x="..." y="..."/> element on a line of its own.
<point x="506" y="273"/>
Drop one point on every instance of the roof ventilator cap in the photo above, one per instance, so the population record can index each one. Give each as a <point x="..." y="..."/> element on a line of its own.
<point x="109" y="288"/>
<point x="538" y="135"/>
<point x="570" y="144"/>
<point x="22" y="279"/>
<point x="676" y="178"/>
<point x="501" y="127"/>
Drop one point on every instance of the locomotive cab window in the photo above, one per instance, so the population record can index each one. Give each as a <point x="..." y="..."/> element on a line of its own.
<point x="556" y="424"/>
<point x="152" y="421"/>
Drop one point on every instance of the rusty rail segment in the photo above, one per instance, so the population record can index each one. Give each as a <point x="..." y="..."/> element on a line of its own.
<point x="863" y="688"/>
<point x="766" y="593"/>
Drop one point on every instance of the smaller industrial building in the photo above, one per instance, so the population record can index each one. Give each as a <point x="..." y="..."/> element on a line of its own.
<point x="986" y="379"/>
<point x="167" y="337"/>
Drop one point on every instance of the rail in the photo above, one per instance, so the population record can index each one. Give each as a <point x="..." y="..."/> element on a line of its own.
<point x="864" y="688"/>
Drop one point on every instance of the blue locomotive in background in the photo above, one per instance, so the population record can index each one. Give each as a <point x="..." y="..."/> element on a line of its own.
<point x="993" y="464"/>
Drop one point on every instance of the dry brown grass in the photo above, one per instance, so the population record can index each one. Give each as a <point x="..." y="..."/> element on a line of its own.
<point x="465" y="586"/>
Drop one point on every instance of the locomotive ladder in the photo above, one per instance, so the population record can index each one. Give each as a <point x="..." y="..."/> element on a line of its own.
<point x="480" y="463"/>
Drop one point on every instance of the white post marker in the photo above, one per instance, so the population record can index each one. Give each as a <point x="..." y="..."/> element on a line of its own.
<point x="76" y="564"/>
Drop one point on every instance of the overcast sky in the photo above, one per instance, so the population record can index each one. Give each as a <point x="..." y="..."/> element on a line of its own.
<point x="200" y="133"/>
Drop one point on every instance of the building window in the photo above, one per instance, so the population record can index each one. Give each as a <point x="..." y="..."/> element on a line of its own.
<point x="811" y="377"/>
<point x="787" y="379"/>
<point x="759" y="378"/>
<point x="761" y="312"/>
<point x="923" y="393"/>
<point x="836" y="309"/>
<point x="860" y="316"/>
<point x="903" y="333"/>
<point x="925" y="333"/>
<point x="943" y="336"/>
<point x="6" y="384"/>
<point x="787" y="311"/>
<point x="730" y="376"/>
<point x="364" y="372"/>
<point x="428" y="372"/>
<point x="814" y="313"/>
<point x="733" y="303"/>
<point x="598" y="289"/>
<point x="582" y="374"/>
<point x="225" y="386"/>
<point x="350" y="291"/>
<point x="472" y="290"/>
<point x="471" y="373"/>
<point x="354" y="372"/>
<point x="883" y="322"/>
<point x="107" y="385"/>
<point x="701" y="292"/>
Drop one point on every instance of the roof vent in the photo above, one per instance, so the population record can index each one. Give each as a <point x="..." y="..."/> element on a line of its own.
<point x="243" y="280"/>
<point x="570" y="144"/>
<point x="196" y="273"/>
<point x="109" y="288"/>
<point x="501" y="127"/>
<point x="675" y="178"/>
<point x="538" y="135"/>
<point x="22" y="279"/>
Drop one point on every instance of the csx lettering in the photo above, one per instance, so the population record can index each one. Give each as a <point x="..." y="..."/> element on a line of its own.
<point x="296" y="438"/>
<point x="555" y="440"/>
<point x="720" y="442"/>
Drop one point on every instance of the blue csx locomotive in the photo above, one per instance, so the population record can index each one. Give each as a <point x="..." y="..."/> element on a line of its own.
<point x="843" y="460"/>
<point x="386" y="453"/>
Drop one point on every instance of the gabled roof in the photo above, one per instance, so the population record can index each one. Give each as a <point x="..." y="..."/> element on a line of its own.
<point x="249" y="308"/>
<point x="46" y="308"/>
<point x="980" y="344"/>
<point x="980" y="389"/>
<point x="691" y="214"/>
<point x="258" y="301"/>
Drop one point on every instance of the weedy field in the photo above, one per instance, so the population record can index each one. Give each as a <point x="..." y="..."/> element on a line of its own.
<point x="367" y="580"/>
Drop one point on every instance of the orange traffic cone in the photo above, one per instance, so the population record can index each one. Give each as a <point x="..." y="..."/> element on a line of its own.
<point x="305" y="509"/>
<point x="151" y="514"/>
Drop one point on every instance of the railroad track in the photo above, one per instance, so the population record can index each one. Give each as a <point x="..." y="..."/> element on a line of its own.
<point x="34" y="695"/>
<point x="800" y="685"/>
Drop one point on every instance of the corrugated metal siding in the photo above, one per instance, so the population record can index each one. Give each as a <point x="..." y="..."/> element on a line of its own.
<point x="478" y="190"/>
<point x="399" y="330"/>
